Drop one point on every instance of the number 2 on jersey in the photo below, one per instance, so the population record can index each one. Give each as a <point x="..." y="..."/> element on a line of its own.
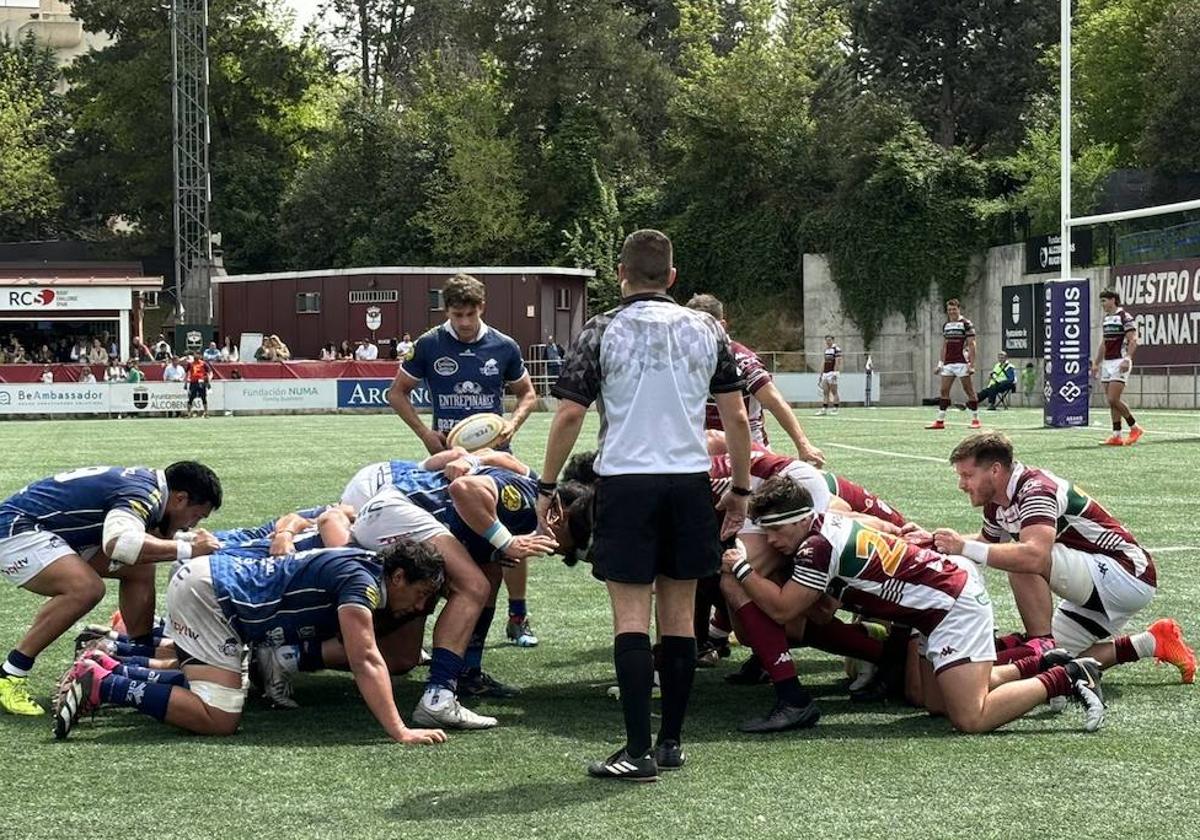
<point x="889" y="550"/>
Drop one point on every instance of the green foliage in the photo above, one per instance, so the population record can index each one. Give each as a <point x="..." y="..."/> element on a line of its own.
<point x="594" y="241"/>
<point x="903" y="219"/>
<point x="32" y="131"/>
<point x="1170" y="141"/>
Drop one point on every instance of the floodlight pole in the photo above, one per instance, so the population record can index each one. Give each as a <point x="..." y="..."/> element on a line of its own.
<point x="1064" y="147"/>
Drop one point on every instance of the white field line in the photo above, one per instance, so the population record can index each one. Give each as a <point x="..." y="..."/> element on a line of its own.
<point x="888" y="453"/>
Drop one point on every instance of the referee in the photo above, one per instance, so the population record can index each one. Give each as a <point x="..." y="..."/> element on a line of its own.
<point x="650" y="364"/>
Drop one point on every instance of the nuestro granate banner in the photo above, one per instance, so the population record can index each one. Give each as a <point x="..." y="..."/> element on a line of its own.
<point x="1164" y="298"/>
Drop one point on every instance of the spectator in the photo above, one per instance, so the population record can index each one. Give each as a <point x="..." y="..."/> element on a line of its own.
<point x="135" y="374"/>
<point x="174" y="371"/>
<point x="229" y="352"/>
<point x="553" y="358"/>
<point x="236" y="373"/>
<point x="162" y="349"/>
<point x="329" y="353"/>
<point x="281" y="349"/>
<point x="97" y="355"/>
<point x="1002" y="380"/>
<point x="62" y="351"/>
<point x="4" y="359"/>
<point x="212" y="353"/>
<point x="86" y="376"/>
<point x="79" y="351"/>
<point x="17" y="354"/>
<point x="345" y="351"/>
<point x="367" y="351"/>
<point x="1029" y="380"/>
<point x="404" y="350"/>
<point x="265" y="352"/>
<point x="47" y="375"/>
<point x="115" y="372"/>
<point x="140" y="351"/>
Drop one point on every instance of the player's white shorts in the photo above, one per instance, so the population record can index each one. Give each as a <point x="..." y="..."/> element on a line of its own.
<point x="195" y="620"/>
<point x="802" y="474"/>
<point x="366" y="483"/>
<point x="829" y="378"/>
<point x="956" y="369"/>
<point x="967" y="633"/>
<point x="389" y="516"/>
<point x="1110" y="370"/>
<point x="1099" y="597"/>
<point x="24" y="555"/>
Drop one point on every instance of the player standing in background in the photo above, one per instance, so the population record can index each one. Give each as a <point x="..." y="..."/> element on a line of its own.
<point x="60" y="534"/>
<point x="957" y="362"/>
<point x="829" y="377"/>
<point x="759" y="391"/>
<point x="1114" y="360"/>
<point x="466" y="365"/>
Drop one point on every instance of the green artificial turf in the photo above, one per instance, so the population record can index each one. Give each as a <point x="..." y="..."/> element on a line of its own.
<point x="866" y="771"/>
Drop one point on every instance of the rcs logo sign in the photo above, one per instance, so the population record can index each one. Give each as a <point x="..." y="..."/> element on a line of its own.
<point x="31" y="297"/>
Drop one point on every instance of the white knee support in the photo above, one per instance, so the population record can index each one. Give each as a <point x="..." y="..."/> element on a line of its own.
<point x="1071" y="575"/>
<point x="219" y="696"/>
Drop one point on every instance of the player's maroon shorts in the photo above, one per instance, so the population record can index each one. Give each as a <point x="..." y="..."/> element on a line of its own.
<point x="862" y="500"/>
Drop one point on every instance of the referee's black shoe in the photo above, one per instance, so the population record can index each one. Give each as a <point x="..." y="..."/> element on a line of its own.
<point x="621" y="765"/>
<point x="669" y="755"/>
<point x="783" y="717"/>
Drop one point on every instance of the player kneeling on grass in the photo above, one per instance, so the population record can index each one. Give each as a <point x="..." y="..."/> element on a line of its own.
<point x="881" y="576"/>
<point x="62" y="534"/>
<point x="217" y="604"/>
<point x="1058" y="539"/>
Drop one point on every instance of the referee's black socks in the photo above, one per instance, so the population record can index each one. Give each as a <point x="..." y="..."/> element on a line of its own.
<point x="675" y="677"/>
<point x="635" y="677"/>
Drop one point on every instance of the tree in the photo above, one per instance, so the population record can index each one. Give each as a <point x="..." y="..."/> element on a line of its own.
<point x="1170" y="140"/>
<point x="32" y="131"/>
<point x="967" y="68"/>
<point x="267" y="100"/>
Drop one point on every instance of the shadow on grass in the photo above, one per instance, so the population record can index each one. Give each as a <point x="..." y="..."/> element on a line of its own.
<point x="522" y="799"/>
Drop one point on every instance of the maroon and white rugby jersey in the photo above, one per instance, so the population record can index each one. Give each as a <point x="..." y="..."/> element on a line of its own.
<point x="877" y="575"/>
<point x="1115" y="327"/>
<point x="832" y="354"/>
<point x="955" y="335"/>
<point x="754" y="376"/>
<point x="1039" y="497"/>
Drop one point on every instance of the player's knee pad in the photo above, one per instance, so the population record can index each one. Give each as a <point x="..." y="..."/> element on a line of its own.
<point x="230" y="700"/>
<point x="1069" y="635"/>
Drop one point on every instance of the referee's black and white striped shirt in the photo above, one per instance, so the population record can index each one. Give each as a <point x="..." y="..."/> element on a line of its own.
<point x="649" y="364"/>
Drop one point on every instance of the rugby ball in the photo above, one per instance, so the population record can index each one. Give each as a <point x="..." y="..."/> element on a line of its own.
<point x="476" y="432"/>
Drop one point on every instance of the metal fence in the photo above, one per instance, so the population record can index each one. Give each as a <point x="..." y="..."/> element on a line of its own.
<point x="1169" y="243"/>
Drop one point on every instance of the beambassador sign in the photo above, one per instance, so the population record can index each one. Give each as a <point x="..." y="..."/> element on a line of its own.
<point x="1164" y="298"/>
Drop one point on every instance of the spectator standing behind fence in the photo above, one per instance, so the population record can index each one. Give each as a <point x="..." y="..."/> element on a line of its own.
<point x="115" y="372"/>
<point x="1029" y="381"/>
<point x="212" y="353"/>
<point x="97" y="355"/>
<point x="47" y="375"/>
<point x="329" y="352"/>
<point x="86" y="376"/>
<point x="162" y="349"/>
<point x="79" y="350"/>
<point x="135" y="375"/>
<point x="174" y="371"/>
<point x="554" y="354"/>
<point x="229" y="350"/>
<point x="404" y="350"/>
<point x="1002" y="380"/>
<point x="367" y="351"/>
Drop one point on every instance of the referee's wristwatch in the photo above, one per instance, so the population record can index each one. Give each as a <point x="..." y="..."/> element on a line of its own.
<point x="546" y="488"/>
<point x="739" y="491"/>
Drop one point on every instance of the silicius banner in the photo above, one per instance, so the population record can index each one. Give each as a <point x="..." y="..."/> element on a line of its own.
<point x="1066" y="328"/>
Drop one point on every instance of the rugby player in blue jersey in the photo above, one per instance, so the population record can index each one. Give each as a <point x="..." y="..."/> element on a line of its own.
<point x="466" y="366"/>
<point x="60" y="535"/>
<point x="217" y="604"/>
<point x="451" y="462"/>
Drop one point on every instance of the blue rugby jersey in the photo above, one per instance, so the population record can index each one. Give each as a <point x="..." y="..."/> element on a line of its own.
<point x="259" y="547"/>
<point x="517" y="497"/>
<point x="286" y="600"/>
<point x="464" y="378"/>
<point x="73" y="504"/>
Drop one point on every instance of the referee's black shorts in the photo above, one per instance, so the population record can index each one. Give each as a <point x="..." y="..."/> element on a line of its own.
<point x="198" y="390"/>
<point x="650" y="525"/>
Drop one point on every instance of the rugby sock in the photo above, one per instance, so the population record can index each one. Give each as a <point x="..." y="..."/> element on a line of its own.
<point x="1116" y="427"/>
<point x="676" y="674"/>
<point x="769" y="643"/>
<point x="842" y="639"/>
<point x="150" y="698"/>
<point x="1027" y="667"/>
<point x="131" y="648"/>
<point x="310" y="657"/>
<point x="1031" y="646"/>
<point x="136" y="661"/>
<point x="942" y="406"/>
<point x="1056" y="682"/>
<point x="152" y="676"/>
<point x="1135" y="647"/>
<point x="720" y="627"/>
<point x="974" y="406"/>
<point x="444" y="667"/>
<point x="517" y="608"/>
<point x="1009" y="641"/>
<point x="17" y="664"/>
<point x="1129" y="419"/>
<point x="474" y="655"/>
<point x="635" y="676"/>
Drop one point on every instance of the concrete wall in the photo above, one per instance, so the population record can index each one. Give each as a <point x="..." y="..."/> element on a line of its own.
<point x="905" y="355"/>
